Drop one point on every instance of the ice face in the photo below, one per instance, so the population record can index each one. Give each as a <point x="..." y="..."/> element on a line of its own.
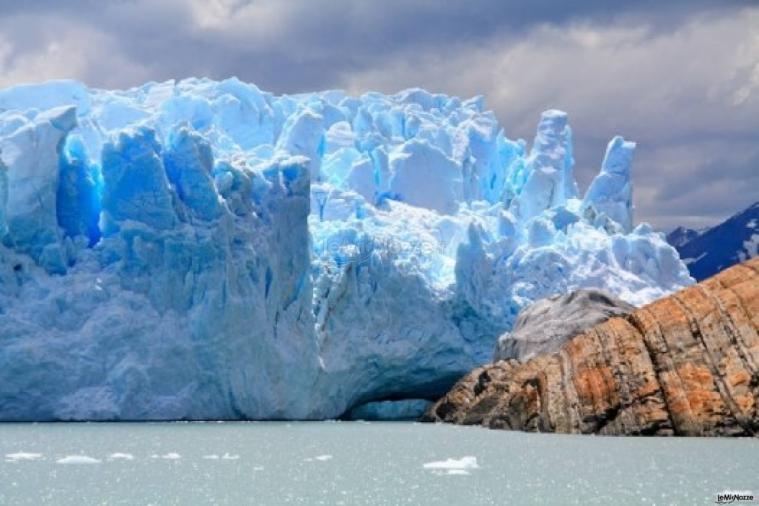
<point x="202" y="249"/>
<point x="30" y="154"/>
<point x="548" y="181"/>
<point x="610" y="193"/>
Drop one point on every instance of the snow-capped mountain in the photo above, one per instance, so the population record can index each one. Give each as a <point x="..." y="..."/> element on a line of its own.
<point x="708" y="251"/>
<point x="681" y="235"/>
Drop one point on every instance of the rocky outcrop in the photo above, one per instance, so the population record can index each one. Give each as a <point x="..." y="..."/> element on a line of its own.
<point x="548" y="323"/>
<point x="687" y="364"/>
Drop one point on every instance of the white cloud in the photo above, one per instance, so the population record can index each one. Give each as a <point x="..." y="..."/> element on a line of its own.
<point x="255" y="22"/>
<point x="75" y="52"/>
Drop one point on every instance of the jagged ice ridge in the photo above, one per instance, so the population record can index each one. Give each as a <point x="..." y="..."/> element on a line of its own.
<point x="206" y="250"/>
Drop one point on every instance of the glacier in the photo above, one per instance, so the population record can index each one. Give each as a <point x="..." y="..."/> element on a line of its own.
<point x="202" y="249"/>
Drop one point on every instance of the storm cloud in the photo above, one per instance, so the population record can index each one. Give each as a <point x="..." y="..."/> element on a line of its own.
<point x="682" y="80"/>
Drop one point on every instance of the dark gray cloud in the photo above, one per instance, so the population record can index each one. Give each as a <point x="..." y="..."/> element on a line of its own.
<point x="682" y="78"/>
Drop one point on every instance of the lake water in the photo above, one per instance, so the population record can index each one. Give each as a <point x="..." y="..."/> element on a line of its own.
<point x="356" y="463"/>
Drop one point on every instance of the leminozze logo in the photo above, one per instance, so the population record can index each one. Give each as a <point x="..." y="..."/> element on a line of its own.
<point x="732" y="496"/>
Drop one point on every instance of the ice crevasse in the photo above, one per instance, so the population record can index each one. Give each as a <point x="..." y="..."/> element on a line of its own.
<point x="206" y="250"/>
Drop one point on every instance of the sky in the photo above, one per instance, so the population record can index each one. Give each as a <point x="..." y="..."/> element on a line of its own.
<point x="682" y="80"/>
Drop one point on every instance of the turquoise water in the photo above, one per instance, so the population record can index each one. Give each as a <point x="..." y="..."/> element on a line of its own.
<point x="356" y="463"/>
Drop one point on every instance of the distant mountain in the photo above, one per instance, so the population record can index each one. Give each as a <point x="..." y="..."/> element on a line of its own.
<point x="681" y="235"/>
<point x="708" y="251"/>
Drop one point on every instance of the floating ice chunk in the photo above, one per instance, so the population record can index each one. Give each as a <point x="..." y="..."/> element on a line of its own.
<point x="462" y="464"/>
<point x="19" y="456"/>
<point x="77" y="459"/>
<point x="171" y="456"/>
<point x="230" y="456"/>
<point x="320" y="458"/>
<point x="211" y="457"/>
<point x="121" y="456"/>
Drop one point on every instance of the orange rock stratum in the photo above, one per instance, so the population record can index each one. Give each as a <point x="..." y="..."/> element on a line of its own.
<point x="685" y="365"/>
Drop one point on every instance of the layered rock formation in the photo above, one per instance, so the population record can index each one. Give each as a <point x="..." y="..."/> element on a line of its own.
<point x="687" y="364"/>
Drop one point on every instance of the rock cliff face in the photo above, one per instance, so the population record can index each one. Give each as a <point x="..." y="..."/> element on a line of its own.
<point x="685" y="365"/>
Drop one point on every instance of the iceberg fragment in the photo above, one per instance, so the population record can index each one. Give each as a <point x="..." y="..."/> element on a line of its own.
<point x="449" y="466"/>
<point x="202" y="249"/>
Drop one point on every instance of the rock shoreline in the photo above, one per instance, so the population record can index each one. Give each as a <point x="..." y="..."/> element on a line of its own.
<point x="685" y="365"/>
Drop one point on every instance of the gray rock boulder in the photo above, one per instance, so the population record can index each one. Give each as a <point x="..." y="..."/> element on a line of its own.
<point x="548" y="323"/>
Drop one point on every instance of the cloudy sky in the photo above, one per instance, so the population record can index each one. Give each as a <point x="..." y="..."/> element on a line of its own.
<point x="681" y="80"/>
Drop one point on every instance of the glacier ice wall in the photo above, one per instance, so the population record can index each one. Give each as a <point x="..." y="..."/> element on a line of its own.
<point x="202" y="249"/>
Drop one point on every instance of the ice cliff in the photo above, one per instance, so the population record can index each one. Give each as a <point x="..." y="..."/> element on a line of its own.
<point x="203" y="249"/>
